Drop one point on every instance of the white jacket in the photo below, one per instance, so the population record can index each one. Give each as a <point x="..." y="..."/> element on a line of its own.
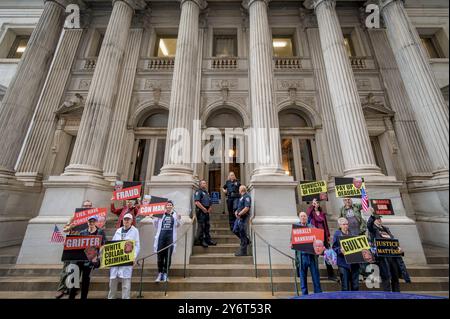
<point x="125" y="271"/>
<point x="158" y="224"/>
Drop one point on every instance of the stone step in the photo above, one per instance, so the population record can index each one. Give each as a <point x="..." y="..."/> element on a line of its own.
<point x="215" y="284"/>
<point x="220" y="231"/>
<point x="226" y="239"/>
<point x="220" y="259"/>
<point x="220" y="248"/>
<point x="212" y="270"/>
<point x="433" y="260"/>
<point x="6" y="259"/>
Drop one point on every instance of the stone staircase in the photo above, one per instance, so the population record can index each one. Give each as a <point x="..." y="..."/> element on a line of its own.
<point x="213" y="272"/>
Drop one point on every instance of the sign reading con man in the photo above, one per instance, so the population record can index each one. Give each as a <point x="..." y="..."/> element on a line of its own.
<point x="356" y="249"/>
<point x="348" y="187"/>
<point x="81" y="248"/>
<point x="127" y="190"/>
<point x="308" y="240"/>
<point x="118" y="253"/>
<point x="388" y="248"/>
<point x="308" y="190"/>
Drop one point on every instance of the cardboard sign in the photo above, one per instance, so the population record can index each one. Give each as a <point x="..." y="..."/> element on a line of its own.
<point x="348" y="187"/>
<point x="127" y="190"/>
<point x="382" y="206"/>
<point x="308" y="240"/>
<point x="215" y="197"/>
<point x="356" y="249"/>
<point x="388" y="248"/>
<point x="81" y="248"/>
<point x="308" y="190"/>
<point x="118" y="253"/>
<point x="82" y="215"/>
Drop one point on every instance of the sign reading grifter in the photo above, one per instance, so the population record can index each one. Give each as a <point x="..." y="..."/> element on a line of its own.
<point x="81" y="248"/>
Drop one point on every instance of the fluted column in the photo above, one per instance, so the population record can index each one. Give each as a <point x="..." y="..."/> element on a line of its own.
<point x="335" y="165"/>
<point x="32" y="161"/>
<point x="427" y="102"/>
<point x="353" y="134"/>
<point x="412" y="148"/>
<point x="22" y="95"/>
<point x="114" y="149"/>
<point x="266" y="138"/>
<point x="182" y="99"/>
<point x="90" y="145"/>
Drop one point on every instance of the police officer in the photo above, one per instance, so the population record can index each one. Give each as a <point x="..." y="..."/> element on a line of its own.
<point x="231" y="189"/>
<point x="204" y="208"/>
<point x="242" y="215"/>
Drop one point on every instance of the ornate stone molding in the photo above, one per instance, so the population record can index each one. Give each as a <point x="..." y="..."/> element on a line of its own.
<point x="384" y="3"/>
<point x="247" y="3"/>
<point x="134" y="4"/>
<point x="313" y="4"/>
<point x="202" y="4"/>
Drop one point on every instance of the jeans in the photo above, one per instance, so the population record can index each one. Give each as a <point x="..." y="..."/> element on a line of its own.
<point x="85" y="282"/>
<point x="309" y="261"/>
<point x="232" y="205"/>
<point x="126" y="287"/>
<point x="165" y="259"/>
<point x="203" y="226"/>
<point x="349" y="278"/>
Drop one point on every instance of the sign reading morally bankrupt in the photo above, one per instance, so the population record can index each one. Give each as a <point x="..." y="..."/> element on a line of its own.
<point x="118" y="253"/>
<point x="348" y="187"/>
<point x="309" y="240"/>
<point x="313" y="189"/>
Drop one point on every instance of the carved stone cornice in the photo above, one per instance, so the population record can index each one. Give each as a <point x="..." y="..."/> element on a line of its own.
<point x="202" y="4"/>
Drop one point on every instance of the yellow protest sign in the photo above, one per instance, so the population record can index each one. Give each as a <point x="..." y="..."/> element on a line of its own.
<point x="315" y="189"/>
<point x="349" y="187"/>
<point x="354" y="245"/>
<point x="118" y="253"/>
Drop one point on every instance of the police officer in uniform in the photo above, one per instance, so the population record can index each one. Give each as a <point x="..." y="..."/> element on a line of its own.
<point x="231" y="189"/>
<point x="242" y="215"/>
<point x="203" y="209"/>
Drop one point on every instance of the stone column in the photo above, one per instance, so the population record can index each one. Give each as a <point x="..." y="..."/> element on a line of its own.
<point x="32" y="162"/>
<point x="90" y="145"/>
<point x="353" y="135"/>
<point x="427" y="102"/>
<point x="177" y="160"/>
<point x="114" y="149"/>
<point x="333" y="157"/>
<point x="21" y="97"/>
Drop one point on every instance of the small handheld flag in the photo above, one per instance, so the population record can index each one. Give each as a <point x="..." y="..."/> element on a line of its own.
<point x="364" y="200"/>
<point x="57" y="236"/>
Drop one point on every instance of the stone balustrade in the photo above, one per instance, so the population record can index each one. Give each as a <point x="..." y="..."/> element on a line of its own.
<point x="224" y="63"/>
<point x="160" y="63"/>
<point x="288" y="63"/>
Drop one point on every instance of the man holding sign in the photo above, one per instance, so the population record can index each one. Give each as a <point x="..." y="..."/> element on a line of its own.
<point x="130" y="233"/>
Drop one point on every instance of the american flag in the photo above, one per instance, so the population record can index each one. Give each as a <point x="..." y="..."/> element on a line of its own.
<point x="364" y="200"/>
<point x="57" y="236"/>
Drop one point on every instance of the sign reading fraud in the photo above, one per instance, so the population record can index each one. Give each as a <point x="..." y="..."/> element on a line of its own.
<point x="309" y="190"/>
<point x="308" y="240"/>
<point x="127" y="190"/>
<point x="118" y="253"/>
<point x="81" y="248"/>
<point x="348" y="187"/>
<point x="382" y="206"/>
<point x="388" y="248"/>
<point x="82" y="215"/>
<point x="356" y="249"/>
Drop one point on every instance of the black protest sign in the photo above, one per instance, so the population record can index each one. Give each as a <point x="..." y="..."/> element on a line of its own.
<point x="308" y="190"/>
<point x="388" y="248"/>
<point x="382" y="206"/>
<point x="81" y="248"/>
<point x="127" y="190"/>
<point x="307" y="239"/>
<point x="356" y="249"/>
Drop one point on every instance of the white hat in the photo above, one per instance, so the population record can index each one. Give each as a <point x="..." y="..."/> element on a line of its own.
<point x="128" y="215"/>
<point x="147" y="197"/>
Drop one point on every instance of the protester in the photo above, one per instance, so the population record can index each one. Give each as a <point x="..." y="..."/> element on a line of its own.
<point x="349" y="273"/>
<point x="391" y="268"/>
<point x="68" y="229"/>
<point x="231" y="190"/>
<point x="124" y="273"/>
<point x="203" y="210"/>
<point x="307" y="260"/>
<point x="352" y="212"/>
<point x="86" y="267"/>
<point x="242" y="216"/>
<point x="318" y="218"/>
<point x="130" y="207"/>
<point x="166" y="235"/>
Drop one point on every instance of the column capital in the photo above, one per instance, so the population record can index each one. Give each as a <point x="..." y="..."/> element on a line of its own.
<point x="202" y="4"/>
<point x="134" y="4"/>
<point x="65" y="3"/>
<point x="384" y="3"/>
<point x="247" y="3"/>
<point x="313" y="4"/>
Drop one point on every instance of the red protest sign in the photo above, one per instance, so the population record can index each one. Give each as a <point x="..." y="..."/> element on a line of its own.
<point x="82" y="242"/>
<point x="309" y="240"/>
<point x="152" y="209"/>
<point x="128" y="193"/>
<point x="81" y="217"/>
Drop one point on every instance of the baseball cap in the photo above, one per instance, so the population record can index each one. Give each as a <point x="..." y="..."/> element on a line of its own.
<point x="95" y="217"/>
<point x="128" y="215"/>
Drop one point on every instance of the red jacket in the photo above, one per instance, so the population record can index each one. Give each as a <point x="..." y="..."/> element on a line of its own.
<point x="122" y="211"/>
<point x="312" y="219"/>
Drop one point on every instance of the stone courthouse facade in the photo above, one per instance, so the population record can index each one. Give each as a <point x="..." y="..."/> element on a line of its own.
<point x="84" y="107"/>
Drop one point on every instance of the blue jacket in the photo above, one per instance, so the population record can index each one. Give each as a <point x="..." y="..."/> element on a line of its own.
<point x="337" y="248"/>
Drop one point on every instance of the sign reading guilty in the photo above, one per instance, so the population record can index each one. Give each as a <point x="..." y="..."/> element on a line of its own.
<point x="127" y="190"/>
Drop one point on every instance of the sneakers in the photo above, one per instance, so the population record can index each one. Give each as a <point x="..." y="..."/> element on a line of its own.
<point x="204" y="244"/>
<point x="211" y="243"/>
<point x="160" y="277"/>
<point x="164" y="277"/>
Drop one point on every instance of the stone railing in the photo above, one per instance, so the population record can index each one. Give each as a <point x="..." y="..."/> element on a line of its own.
<point x="288" y="63"/>
<point x="159" y="64"/>
<point x="224" y="63"/>
<point x="89" y="64"/>
<point x="358" y="62"/>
